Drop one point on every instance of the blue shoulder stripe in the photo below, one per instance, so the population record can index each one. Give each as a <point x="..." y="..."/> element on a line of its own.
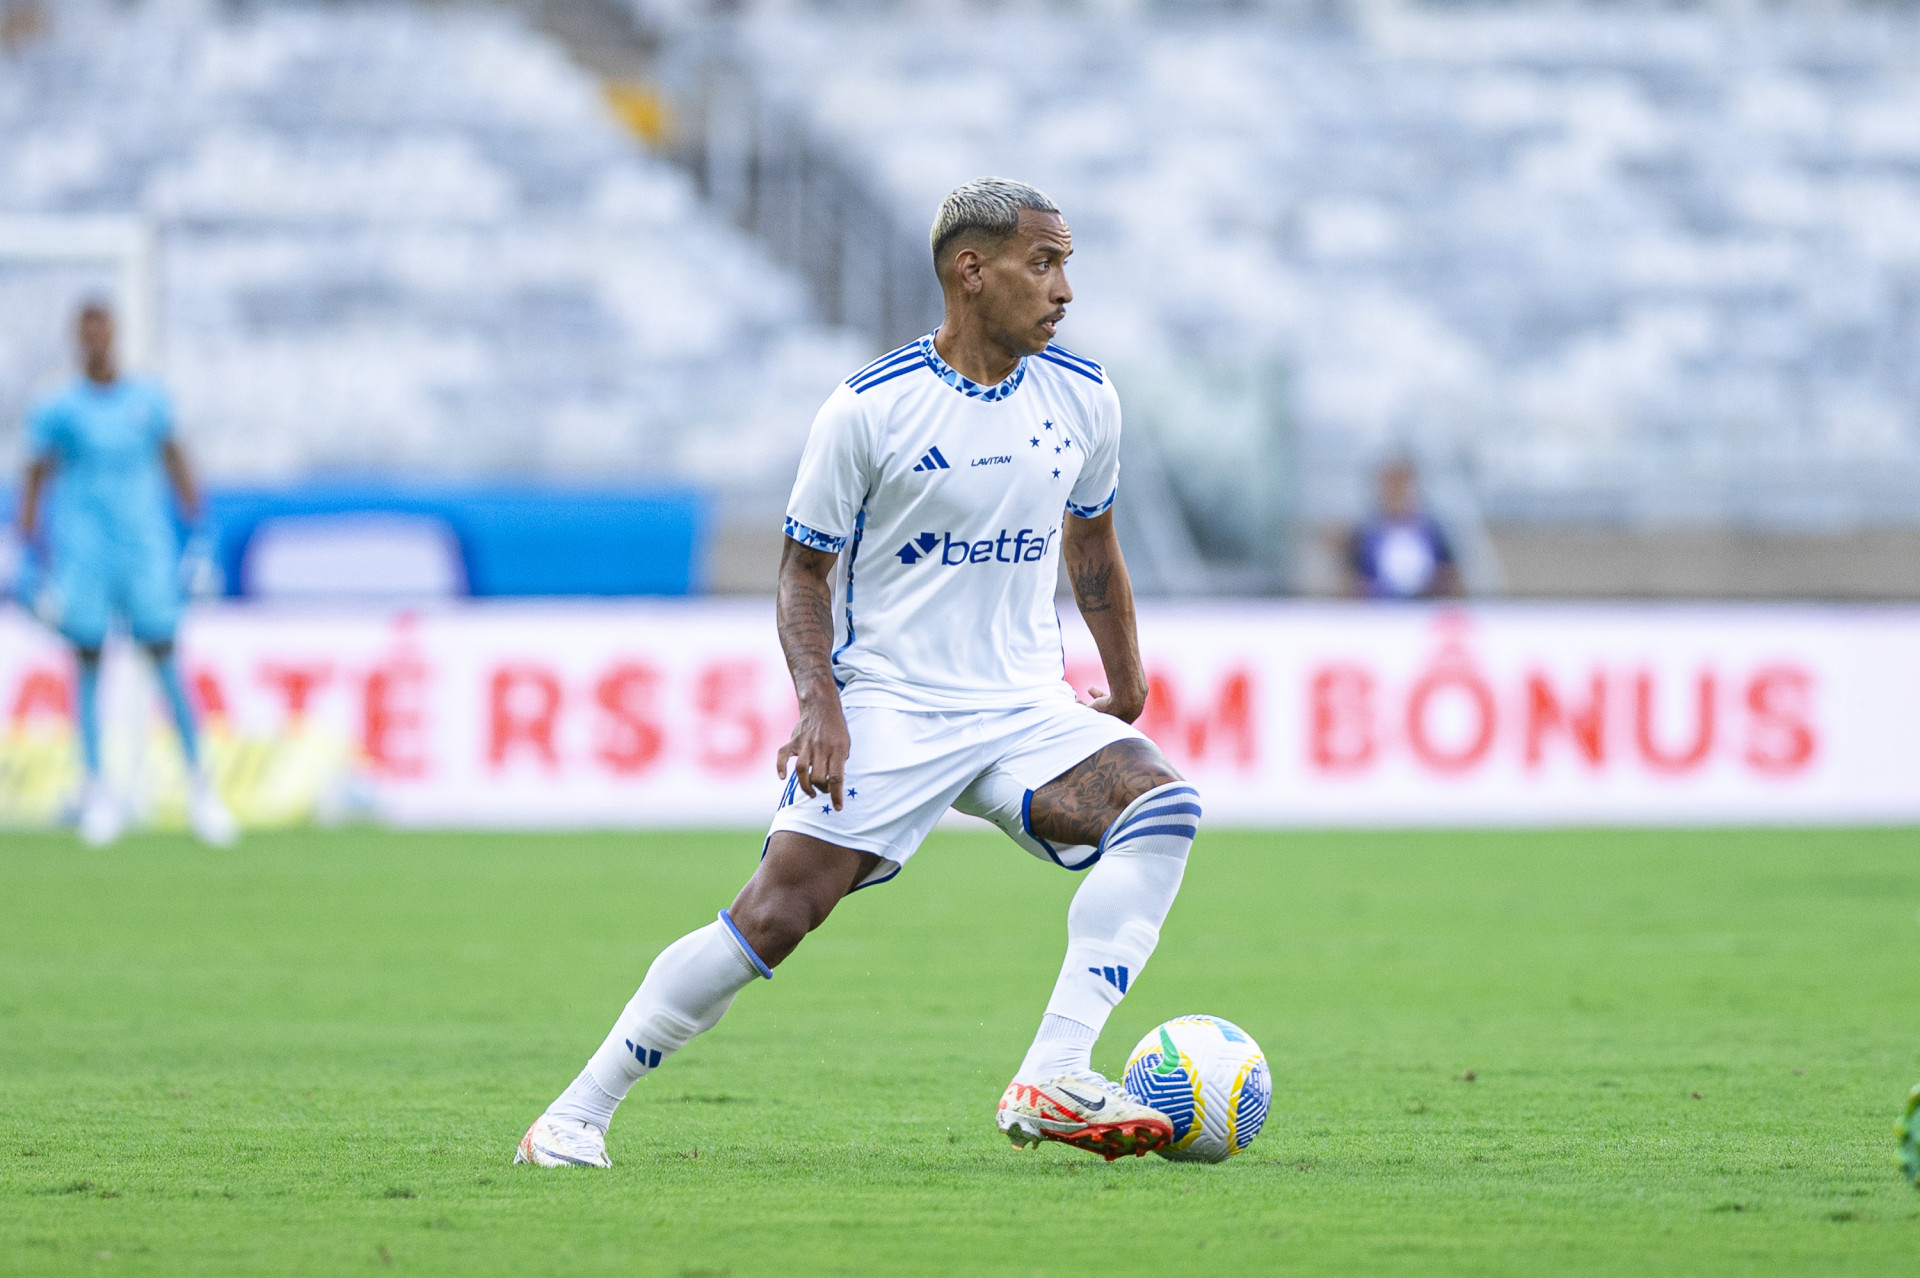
<point x="1091" y="375"/>
<point x="901" y="371"/>
<point x="888" y="358"/>
<point x="860" y="380"/>
<point x="1058" y="349"/>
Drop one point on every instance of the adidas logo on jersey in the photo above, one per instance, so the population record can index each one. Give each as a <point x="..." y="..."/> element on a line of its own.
<point x="932" y="461"/>
<point x="1021" y="547"/>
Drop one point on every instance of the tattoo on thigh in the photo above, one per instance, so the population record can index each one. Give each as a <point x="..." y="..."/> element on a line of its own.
<point x="1077" y="806"/>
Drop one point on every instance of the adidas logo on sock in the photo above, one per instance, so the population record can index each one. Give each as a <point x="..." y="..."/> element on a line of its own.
<point x="648" y="1058"/>
<point x="1114" y="976"/>
<point x="932" y="461"/>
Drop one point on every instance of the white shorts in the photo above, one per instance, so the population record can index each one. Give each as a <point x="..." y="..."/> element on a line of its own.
<point x="908" y="767"/>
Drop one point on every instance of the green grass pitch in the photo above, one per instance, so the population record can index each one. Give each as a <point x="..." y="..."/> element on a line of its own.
<point x="1519" y="1052"/>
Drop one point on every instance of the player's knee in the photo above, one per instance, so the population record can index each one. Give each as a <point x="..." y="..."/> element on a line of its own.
<point x="1161" y="820"/>
<point x="774" y="924"/>
<point x="1146" y="783"/>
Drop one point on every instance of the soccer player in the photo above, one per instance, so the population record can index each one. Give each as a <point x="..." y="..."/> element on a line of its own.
<point x="939" y="489"/>
<point x="105" y="448"/>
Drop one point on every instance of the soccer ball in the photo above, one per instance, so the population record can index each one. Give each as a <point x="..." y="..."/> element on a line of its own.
<point x="1210" y="1078"/>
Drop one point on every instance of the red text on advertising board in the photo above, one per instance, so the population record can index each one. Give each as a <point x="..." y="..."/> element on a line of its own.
<point x="1219" y="728"/>
<point x="1453" y="718"/>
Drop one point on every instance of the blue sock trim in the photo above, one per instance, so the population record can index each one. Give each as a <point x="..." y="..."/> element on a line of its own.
<point x="168" y="672"/>
<point x="1140" y="831"/>
<point x="745" y="949"/>
<point x="1176" y="798"/>
<point x="86" y="712"/>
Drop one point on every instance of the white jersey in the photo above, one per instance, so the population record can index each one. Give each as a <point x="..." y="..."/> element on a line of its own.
<point x="946" y="501"/>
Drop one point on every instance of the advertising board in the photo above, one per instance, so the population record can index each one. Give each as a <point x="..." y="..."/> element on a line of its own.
<point x="667" y="713"/>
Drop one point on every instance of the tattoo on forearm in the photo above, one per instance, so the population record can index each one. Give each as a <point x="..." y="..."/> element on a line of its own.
<point x="1078" y="806"/>
<point x="1092" y="581"/>
<point x="805" y="613"/>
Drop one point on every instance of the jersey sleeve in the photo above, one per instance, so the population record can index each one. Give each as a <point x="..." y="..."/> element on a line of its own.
<point x="1099" y="480"/>
<point x="836" y="472"/>
<point x="159" y="413"/>
<point x="48" y="431"/>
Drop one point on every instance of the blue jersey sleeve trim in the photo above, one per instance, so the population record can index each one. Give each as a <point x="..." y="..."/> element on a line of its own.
<point x="1089" y="512"/>
<point x="765" y="971"/>
<point x="814" y="539"/>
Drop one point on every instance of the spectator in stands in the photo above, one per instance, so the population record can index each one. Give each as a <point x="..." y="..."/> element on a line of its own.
<point x="1400" y="553"/>
<point x="104" y="450"/>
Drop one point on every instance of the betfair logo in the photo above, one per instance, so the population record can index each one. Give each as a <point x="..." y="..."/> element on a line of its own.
<point x="1023" y="547"/>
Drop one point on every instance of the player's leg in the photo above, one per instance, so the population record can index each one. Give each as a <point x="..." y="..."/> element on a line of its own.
<point x="166" y="670"/>
<point x="100" y="820"/>
<point x="1123" y="815"/>
<point x="692" y="983"/>
<point x="153" y="614"/>
<point x="86" y="709"/>
<point x="206" y="812"/>
<point x="904" y="770"/>
<point x="80" y="608"/>
<point x="1128" y="803"/>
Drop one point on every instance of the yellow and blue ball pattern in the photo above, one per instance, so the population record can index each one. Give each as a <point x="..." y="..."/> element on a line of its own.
<point x="1210" y="1079"/>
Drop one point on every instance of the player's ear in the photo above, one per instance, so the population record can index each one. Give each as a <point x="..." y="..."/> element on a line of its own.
<point x="968" y="267"/>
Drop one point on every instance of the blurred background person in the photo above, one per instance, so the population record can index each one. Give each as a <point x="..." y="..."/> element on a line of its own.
<point x="1399" y="552"/>
<point x="101" y="456"/>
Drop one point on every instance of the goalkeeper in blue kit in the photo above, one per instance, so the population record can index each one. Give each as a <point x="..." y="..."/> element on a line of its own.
<point x="102" y="455"/>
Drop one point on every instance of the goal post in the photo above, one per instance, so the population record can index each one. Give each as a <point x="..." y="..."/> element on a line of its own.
<point x="123" y="247"/>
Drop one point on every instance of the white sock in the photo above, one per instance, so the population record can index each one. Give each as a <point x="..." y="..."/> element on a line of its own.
<point x="586" y="1101"/>
<point x="1113" y="926"/>
<point x="1061" y="1047"/>
<point x="686" y="991"/>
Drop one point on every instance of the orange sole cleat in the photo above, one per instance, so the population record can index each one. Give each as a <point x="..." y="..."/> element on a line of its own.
<point x="1086" y="1112"/>
<point x="1138" y="1137"/>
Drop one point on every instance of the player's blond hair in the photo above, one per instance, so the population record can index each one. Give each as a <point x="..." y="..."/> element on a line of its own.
<point x="990" y="206"/>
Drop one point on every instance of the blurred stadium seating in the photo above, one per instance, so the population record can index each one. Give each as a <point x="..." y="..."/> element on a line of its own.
<point x="402" y="240"/>
<point x="1615" y="267"/>
<point x="1635" y="285"/>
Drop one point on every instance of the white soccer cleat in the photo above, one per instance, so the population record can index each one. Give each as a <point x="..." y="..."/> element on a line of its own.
<point x="1086" y="1111"/>
<point x="212" y="823"/>
<point x="100" y="820"/>
<point x="563" y="1142"/>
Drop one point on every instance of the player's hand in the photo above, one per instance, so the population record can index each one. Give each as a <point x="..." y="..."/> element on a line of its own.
<point x="819" y="751"/>
<point x="1125" y="709"/>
